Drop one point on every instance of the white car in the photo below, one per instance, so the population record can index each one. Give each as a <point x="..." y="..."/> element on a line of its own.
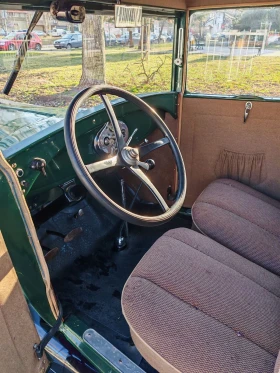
<point x="58" y="32"/>
<point x="272" y="39"/>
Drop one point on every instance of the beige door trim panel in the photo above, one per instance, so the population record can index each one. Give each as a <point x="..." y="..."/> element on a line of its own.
<point x="18" y="333"/>
<point x="216" y="143"/>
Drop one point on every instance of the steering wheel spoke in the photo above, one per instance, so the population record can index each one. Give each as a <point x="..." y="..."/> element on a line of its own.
<point x="140" y="174"/>
<point x="146" y="149"/>
<point x="113" y="120"/>
<point x="102" y="165"/>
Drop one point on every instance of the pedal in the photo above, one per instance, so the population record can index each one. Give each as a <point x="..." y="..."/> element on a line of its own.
<point x="78" y="214"/>
<point x="51" y="254"/>
<point x="73" y="234"/>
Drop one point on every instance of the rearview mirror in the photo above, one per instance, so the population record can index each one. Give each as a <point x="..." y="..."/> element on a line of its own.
<point x="68" y="13"/>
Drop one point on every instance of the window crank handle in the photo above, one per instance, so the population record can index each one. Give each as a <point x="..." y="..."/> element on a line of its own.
<point x="248" y="107"/>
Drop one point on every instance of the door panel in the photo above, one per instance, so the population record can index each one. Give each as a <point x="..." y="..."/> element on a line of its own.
<point x="215" y="142"/>
<point x="18" y="333"/>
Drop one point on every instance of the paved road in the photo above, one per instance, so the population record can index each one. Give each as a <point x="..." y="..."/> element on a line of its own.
<point x="225" y="51"/>
<point x="218" y="51"/>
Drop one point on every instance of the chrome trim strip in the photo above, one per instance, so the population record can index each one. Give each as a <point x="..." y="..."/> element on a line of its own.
<point x="110" y="353"/>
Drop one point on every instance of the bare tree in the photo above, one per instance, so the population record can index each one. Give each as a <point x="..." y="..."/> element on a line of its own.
<point x="130" y="39"/>
<point x="161" y="27"/>
<point x="93" y="71"/>
<point x="145" y="37"/>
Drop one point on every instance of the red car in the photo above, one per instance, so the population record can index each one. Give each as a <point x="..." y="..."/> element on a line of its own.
<point x="14" y="40"/>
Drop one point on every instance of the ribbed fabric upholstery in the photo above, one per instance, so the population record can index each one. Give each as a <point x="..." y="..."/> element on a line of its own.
<point x="242" y="219"/>
<point x="193" y="306"/>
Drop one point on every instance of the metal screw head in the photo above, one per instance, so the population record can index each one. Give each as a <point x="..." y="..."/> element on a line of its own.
<point x="19" y="172"/>
<point x="14" y="165"/>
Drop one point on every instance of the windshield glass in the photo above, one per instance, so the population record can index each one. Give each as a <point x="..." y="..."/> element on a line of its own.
<point x="58" y="66"/>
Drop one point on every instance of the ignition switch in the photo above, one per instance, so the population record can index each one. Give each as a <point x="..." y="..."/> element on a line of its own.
<point x="39" y="164"/>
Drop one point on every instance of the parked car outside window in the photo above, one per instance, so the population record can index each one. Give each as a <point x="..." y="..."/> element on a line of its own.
<point x="68" y="41"/>
<point x="14" y="40"/>
<point x="58" y="32"/>
<point x="110" y="40"/>
<point x="40" y="33"/>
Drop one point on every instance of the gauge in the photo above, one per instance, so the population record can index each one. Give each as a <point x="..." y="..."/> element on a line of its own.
<point x="106" y="142"/>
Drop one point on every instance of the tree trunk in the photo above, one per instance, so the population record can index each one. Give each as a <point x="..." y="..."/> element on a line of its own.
<point x="131" y="42"/>
<point x="146" y="30"/>
<point x="93" y="71"/>
<point x="160" y="30"/>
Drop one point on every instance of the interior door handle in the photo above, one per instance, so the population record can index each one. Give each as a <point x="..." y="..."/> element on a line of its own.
<point x="248" y="108"/>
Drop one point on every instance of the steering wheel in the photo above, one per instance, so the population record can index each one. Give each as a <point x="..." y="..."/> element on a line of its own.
<point x="129" y="157"/>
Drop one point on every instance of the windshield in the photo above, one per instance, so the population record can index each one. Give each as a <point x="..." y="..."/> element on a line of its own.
<point x="54" y="71"/>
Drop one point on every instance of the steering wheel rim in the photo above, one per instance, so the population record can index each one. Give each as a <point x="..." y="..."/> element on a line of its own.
<point x="125" y="157"/>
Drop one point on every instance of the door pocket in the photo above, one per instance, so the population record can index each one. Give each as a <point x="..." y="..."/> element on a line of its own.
<point x="249" y="169"/>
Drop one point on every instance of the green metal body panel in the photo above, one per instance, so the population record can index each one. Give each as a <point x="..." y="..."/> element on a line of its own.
<point x="21" y="252"/>
<point x="177" y="71"/>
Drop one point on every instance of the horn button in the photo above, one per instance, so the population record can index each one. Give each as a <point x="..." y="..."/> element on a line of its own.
<point x="130" y="155"/>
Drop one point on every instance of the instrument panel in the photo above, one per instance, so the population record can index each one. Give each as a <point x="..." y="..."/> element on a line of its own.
<point x="105" y="140"/>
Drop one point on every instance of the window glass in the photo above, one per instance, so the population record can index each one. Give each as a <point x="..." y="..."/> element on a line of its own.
<point x="138" y="59"/>
<point x="234" y="52"/>
<point x="56" y="66"/>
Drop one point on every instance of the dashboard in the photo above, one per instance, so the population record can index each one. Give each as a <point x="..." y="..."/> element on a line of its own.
<point x="96" y="141"/>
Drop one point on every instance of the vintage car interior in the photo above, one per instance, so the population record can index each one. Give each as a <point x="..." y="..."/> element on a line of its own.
<point x="145" y="231"/>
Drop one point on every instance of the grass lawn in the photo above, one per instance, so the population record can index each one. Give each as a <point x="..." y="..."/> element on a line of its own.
<point x="252" y="75"/>
<point x="51" y="78"/>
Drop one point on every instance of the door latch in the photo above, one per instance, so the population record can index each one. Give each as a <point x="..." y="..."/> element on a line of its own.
<point x="248" y="108"/>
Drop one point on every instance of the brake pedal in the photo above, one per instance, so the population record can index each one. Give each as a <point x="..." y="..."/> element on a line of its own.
<point x="73" y="234"/>
<point x="51" y="254"/>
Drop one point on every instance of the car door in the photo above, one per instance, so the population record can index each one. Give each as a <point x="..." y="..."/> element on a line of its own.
<point x="33" y="41"/>
<point x="74" y="41"/>
<point x="18" y="40"/>
<point x="18" y="333"/>
<point x="230" y="110"/>
<point x="80" y="41"/>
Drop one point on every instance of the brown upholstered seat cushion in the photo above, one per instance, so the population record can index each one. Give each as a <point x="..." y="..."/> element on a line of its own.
<point x="194" y="306"/>
<point x="242" y="219"/>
